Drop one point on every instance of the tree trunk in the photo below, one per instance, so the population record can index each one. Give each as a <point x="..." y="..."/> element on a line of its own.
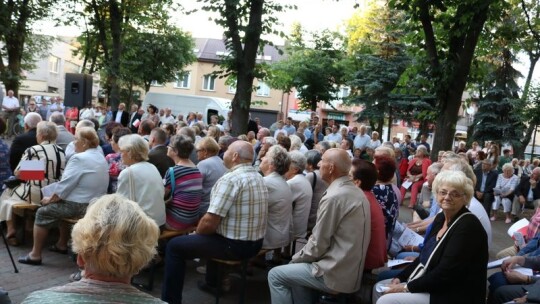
<point x="446" y="123"/>
<point x="519" y="152"/>
<point x="241" y="103"/>
<point x="114" y="67"/>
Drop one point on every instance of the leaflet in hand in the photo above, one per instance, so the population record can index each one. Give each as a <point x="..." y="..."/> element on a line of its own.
<point x="519" y="227"/>
<point x="397" y="262"/>
<point x="496" y="263"/>
<point x="410" y="238"/>
<point x="406" y="184"/>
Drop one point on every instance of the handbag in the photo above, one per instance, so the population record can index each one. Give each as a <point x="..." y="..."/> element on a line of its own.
<point x="420" y="269"/>
<point x="173" y="184"/>
<point x="12" y="182"/>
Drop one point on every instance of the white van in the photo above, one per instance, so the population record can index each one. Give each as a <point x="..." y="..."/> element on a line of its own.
<point x="183" y="104"/>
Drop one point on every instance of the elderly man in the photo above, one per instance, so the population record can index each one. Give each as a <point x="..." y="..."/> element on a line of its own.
<point x="262" y="133"/>
<point x="233" y="228"/>
<point x="134" y="118"/>
<point x="64" y="136"/>
<point x="25" y="140"/>
<point x="11" y="106"/>
<point x="361" y="140"/>
<point x="121" y="116"/>
<point x="167" y="117"/>
<point x="486" y="180"/>
<point x="333" y="258"/>
<point x="273" y="166"/>
<point x="56" y="106"/>
<point x="157" y="155"/>
<point x="527" y="192"/>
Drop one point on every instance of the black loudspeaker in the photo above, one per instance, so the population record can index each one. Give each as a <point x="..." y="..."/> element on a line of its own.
<point x="78" y="91"/>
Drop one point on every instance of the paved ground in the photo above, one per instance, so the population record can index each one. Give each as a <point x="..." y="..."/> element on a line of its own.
<point x="56" y="269"/>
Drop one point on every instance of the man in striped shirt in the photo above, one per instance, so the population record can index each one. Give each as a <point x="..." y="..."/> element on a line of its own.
<point x="232" y="229"/>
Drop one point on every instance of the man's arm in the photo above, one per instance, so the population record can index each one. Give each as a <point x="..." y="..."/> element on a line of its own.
<point x="208" y="224"/>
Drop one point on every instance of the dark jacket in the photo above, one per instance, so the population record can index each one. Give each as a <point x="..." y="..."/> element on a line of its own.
<point x="491" y="180"/>
<point x="158" y="157"/>
<point x="524" y="186"/>
<point x="131" y="127"/>
<point x="124" y="120"/>
<point x="19" y="145"/>
<point x="458" y="267"/>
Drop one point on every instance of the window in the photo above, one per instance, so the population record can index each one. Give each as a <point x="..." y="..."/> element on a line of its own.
<point x="154" y="83"/>
<point x="263" y="89"/>
<point x="183" y="80"/>
<point x="344" y="92"/>
<point x="209" y="83"/>
<point x="54" y="64"/>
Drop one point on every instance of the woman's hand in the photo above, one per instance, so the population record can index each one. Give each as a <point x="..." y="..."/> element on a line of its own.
<point x="521" y="300"/>
<point x="515" y="277"/>
<point x="51" y="199"/>
<point x="395" y="287"/>
<point x="509" y="263"/>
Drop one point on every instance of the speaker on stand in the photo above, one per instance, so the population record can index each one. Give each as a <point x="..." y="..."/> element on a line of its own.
<point x="78" y="91"/>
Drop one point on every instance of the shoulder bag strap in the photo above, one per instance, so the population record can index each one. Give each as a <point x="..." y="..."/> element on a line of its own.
<point x="173" y="180"/>
<point x="131" y="186"/>
<point x="314" y="182"/>
<point x="444" y="236"/>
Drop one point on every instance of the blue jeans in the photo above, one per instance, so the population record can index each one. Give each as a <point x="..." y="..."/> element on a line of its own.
<point x="193" y="246"/>
<point x="497" y="280"/>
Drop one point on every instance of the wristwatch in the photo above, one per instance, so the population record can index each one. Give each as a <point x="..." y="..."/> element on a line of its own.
<point x="405" y="289"/>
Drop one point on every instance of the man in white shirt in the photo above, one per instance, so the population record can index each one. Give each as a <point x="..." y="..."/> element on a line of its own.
<point x="121" y="116"/>
<point x="361" y="141"/>
<point x="167" y="117"/>
<point x="334" y="136"/>
<point x="10" y="105"/>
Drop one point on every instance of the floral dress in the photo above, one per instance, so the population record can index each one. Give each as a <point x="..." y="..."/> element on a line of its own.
<point x="115" y="167"/>
<point x="387" y="198"/>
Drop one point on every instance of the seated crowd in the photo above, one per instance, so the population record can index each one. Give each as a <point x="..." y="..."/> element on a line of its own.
<point x="261" y="192"/>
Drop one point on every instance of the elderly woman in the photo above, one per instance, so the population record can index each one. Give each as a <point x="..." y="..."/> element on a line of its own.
<point x="141" y="181"/>
<point x="152" y="114"/>
<point x="385" y="193"/>
<point x="54" y="159"/>
<point x="84" y="178"/>
<point x="375" y="142"/>
<point x="416" y="174"/>
<point x="211" y="168"/>
<point x="313" y="176"/>
<point x="114" y="160"/>
<point x="184" y="183"/>
<point x="302" y="194"/>
<point x="274" y="165"/>
<point x="114" y="241"/>
<point x="364" y="175"/>
<point x="454" y="257"/>
<point x="504" y="192"/>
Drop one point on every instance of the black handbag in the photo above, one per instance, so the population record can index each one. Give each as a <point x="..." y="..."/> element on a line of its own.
<point x="12" y="182"/>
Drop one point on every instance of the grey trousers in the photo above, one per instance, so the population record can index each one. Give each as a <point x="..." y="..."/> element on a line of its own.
<point x="399" y="297"/>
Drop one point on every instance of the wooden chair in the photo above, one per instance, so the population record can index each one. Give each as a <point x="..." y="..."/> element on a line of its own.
<point x="243" y="274"/>
<point x="27" y="212"/>
<point x="164" y="236"/>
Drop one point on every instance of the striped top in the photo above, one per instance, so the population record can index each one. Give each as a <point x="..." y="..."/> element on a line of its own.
<point x="183" y="211"/>
<point x="240" y="197"/>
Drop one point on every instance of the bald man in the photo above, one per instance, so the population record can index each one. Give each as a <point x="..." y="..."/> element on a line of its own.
<point x="233" y="227"/>
<point x="333" y="258"/>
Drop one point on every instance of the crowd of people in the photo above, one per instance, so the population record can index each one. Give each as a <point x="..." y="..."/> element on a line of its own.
<point x="339" y="190"/>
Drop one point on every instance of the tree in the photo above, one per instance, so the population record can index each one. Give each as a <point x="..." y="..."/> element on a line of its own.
<point x="451" y="30"/>
<point x="317" y="72"/>
<point x="374" y="42"/>
<point x="155" y="57"/>
<point x="108" y="23"/>
<point x="244" y="22"/>
<point x="497" y="118"/>
<point x="16" y="18"/>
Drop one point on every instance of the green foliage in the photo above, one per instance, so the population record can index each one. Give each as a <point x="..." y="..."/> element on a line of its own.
<point x="316" y="68"/>
<point x="157" y="57"/>
<point x="20" y="48"/>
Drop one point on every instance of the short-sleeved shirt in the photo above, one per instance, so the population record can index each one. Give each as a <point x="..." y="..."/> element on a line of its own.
<point x="10" y="102"/>
<point x="240" y="197"/>
<point x="183" y="211"/>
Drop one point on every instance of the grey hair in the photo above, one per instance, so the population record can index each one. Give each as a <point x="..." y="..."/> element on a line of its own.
<point x="298" y="161"/>
<point x="435" y="167"/>
<point x="313" y="157"/>
<point x="187" y="131"/>
<point x="32" y="119"/>
<point x="135" y="145"/>
<point x="270" y="140"/>
<point x="325" y="145"/>
<point x="455" y="179"/>
<point x="85" y="123"/>
<point x="279" y="158"/>
<point x="57" y="118"/>
<point x="459" y="164"/>
<point x="47" y="130"/>
<point x="296" y="142"/>
<point x="507" y="166"/>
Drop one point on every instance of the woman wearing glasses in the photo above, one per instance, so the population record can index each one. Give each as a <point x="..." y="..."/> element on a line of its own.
<point x="453" y="261"/>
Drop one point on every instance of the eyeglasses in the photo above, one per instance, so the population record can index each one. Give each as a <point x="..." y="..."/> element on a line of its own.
<point x="31" y="104"/>
<point x="452" y="195"/>
<point x="200" y="150"/>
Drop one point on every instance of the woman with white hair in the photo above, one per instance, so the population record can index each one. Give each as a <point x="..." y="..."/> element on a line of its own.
<point x="54" y="159"/>
<point x="302" y="194"/>
<point x="113" y="242"/>
<point x="504" y="192"/>
<point x="141" y="181"/>
<point x="453" y="260"/>
<point x="375" y="142"/>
